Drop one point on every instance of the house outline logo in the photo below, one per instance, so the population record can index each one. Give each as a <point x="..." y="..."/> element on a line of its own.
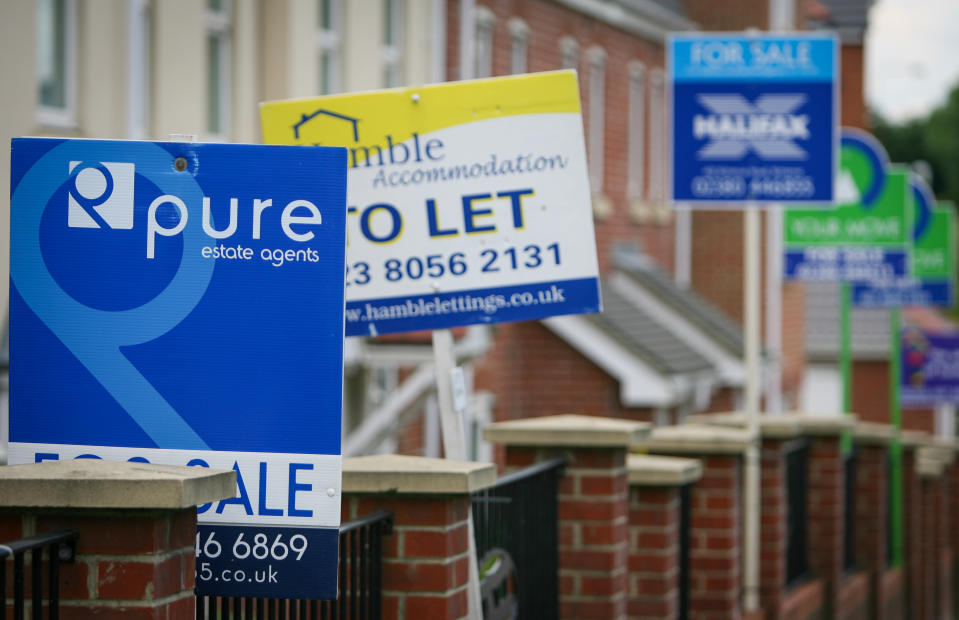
<point x="306" y="118"/>
<point x="100" y="195"/>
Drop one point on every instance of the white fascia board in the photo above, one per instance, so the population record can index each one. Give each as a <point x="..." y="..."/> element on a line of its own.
<point x="730" y="368"/>
<point x="639" y="384"/>
<point x="637" y="17"/>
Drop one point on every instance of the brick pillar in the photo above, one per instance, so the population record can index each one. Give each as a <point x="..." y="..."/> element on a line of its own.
<point x="593" y="503"/>
<point x="426" y="559"/>
<point x="872" y="532"/>
<point x="826" y="508"/>
<point x="912" y="522"/>
<point x="135" y="548"/>
<point x="773" y="526"/>
<point x="716" y="554"/>
<point x="930" y="467"/>
<point x="655" y="504"/>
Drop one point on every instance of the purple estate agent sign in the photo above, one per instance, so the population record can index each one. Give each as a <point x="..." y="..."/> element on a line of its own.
<point x="930" y="368"/>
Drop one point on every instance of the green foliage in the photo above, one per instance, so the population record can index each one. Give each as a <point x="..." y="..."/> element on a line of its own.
<point x="934" y="139"/>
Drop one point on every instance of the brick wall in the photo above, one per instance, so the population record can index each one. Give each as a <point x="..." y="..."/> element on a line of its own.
<point x="871" y="520"/>
<point x="593" y="518"/>
<point x="653" y="552"/>
<point x="912" y="531"/>
<point x="549" y="23"/>
<point x="534" y="373"/>
<point x="825" y="516"/>
<point x="715" y="556"/>
<point x="772" y="532"/>
<point x="130" y="567"/>
<point x="426" y="559"/>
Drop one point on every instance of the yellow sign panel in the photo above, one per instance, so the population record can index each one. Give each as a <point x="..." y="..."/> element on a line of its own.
<point x="468" y="201"/>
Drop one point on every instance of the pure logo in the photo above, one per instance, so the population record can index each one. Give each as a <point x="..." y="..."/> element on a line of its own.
<point x="769" y="126"/>
<point x="100" y="195"/>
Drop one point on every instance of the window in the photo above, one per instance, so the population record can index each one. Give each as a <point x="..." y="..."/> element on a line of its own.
<point x="139" y="42"/>
<point x="636" y="132"/>
<point x="218" y="67"/>
<point x="485" y="20"/>
<point x="56" y="70"/>
<point x="657" y="136"/>
<point x="569" y="53"/>
<point x="596" y="97"/>
<point x="392" y="43"/>
<point x="518" y="46"/>
<point x="328" y="46"/>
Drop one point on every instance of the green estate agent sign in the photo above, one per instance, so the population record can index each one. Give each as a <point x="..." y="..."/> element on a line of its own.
<point x="866" y="238"/>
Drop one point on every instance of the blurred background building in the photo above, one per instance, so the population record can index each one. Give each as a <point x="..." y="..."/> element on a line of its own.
<point x="669" y="343"/>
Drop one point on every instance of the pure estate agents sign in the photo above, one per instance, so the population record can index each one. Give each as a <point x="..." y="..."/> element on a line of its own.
<point x="754" y="117"/>
<point x="182" y="304"/>
<point x="468" y="202"/>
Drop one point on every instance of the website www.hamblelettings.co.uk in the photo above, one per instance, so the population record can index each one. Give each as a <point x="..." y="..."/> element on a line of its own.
<point x="463" y="303"/>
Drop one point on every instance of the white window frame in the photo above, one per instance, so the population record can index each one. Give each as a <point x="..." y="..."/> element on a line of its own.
<point x="483" y="43"/>
<point x="518" y="46"/>
<point x="568" y="53"/>
<point x="139" y="45"/>
<point x="636" y="132"/>
<point x="327" y="41"/>
<point x="596" y="138"/>
<point x="61" y="116"/>
<point x="391" y="54"/>
<point x="657" y="135"/>
<point x="219" y="27"/>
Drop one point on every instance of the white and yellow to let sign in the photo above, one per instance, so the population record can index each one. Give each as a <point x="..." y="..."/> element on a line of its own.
<point x="468" y="202"/>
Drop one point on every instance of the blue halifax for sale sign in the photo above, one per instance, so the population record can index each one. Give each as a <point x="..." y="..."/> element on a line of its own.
<point x="182" y="304"/>
<point x="754" y="117"/>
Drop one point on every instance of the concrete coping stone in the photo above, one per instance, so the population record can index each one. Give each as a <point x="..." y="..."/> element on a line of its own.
<point x="771" y="426"/>
<point x="873" y="434"/>
<point x="914" y="439"/>
<point x="929" y="462"/>
<point x="394" y="473"/>
<point x="825" y="424"/>
<point x="647" y="470"/>
<point x="946" y="447"/>
<point x="94" y="483"/>
<point x="697" y="439"/>
<point x="579" y="431"/>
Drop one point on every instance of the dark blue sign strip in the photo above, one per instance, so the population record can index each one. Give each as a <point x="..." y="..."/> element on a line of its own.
<point x="266" y="562"/>
<point x="852" y="265"/>
<point x="506" y="303"/>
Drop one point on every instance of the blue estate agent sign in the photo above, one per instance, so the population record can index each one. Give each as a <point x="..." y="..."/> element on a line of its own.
<point x="754" y="117"/>
<point x="930" y="368"/>
<point x="183" y="304"/>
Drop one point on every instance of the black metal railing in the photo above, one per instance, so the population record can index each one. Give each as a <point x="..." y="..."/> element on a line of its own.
<point x="517" y="522"/>
<point x="61" y="548"/>
<point x="797" y="561"/>
<point x="359" y="583"/>
<point x="849" y="516"/>
<point x="685" y="529"/>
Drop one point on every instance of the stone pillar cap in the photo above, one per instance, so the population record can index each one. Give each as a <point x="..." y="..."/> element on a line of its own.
<point x="394" y="473"/>
<point x="914" y="439"/>
<point x="873" y="433"/>
<point x="647" y="470"/>
<point x="771" y="426"/>
<point x="824" y="424"/>
<point x="568" y="430"/>
<point x="94" y="483"/>
<point x="929" y="462"/>
<point x="697" y="439"/>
